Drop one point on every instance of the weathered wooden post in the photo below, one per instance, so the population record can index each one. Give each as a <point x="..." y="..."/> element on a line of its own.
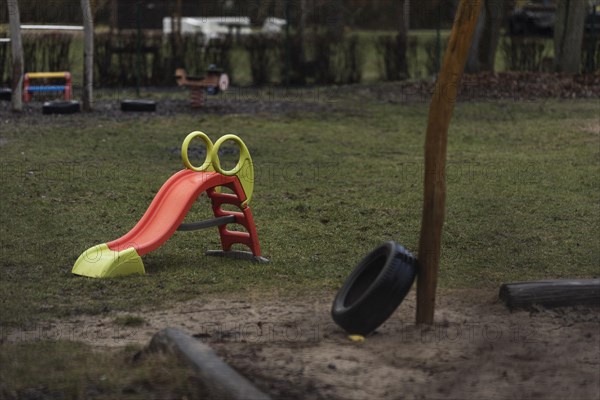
<point x="17" y="55"/>
<point x="440" y="114"/>
<point x="88" y="55"/>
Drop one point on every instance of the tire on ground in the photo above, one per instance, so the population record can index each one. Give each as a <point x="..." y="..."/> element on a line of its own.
<point x="138" y="105"/>
<point x="5" y="94"/>
<point x="61" y="107"/>
<point x="374" y="289"/>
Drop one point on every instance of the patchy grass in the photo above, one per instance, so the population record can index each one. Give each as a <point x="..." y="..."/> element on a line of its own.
<point x="129" y="320"/>
<point x="522" y="200"/>
<point x="70" y="370"/>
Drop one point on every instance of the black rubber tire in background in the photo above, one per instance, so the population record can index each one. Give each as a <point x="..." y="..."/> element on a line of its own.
<point x="138" y="105"/>
<point x="374" y="289"/>
<point x="61" y="107"/>
<point x="5" y="94"/>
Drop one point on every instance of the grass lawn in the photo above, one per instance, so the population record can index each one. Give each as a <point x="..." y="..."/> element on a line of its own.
<point x="522" y="200"/>
<point x="69" y="370"/>
<point x="522" y="204"/>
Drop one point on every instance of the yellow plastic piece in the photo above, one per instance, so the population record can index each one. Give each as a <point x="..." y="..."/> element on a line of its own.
<point x="47" y="74"/>
<point x="101" y="262"/>
<point x="208" y="163"/>
<point x="244" y="169"/>
<point x="357" y="338"/>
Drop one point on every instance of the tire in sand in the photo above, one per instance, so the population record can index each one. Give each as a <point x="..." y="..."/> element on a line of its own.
<point x="5" y="94"/>
<point x="374" y="289"/>
<point x="138" y="105"/>
<point x="61" y="107"/>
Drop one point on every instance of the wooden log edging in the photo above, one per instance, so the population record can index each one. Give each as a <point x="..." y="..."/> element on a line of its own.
<point x="551" y="293"/>
<point x="221" y="381"/>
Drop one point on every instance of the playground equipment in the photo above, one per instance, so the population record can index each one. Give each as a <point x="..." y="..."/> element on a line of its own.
<point x="170" y="206"/>
<point x="28" y="90"/>
<point x="214" y="82"/>
<point x="381" y="281"/>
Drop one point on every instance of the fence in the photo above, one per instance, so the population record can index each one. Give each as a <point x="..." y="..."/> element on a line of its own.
<point x="315" y="58"/>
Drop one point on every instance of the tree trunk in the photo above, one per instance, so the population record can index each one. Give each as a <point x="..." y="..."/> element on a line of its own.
<point x="482" y="55"/>
<point x="436" y="139"/>
<point x="472" y="66"/>
<point x="113" y="16"/>
<point x="568" y="35"/>
<point x="88" y="55"/>
<point x="403" y="41"/>
<point x="336" y="18"/>
<point x="494" y="14"/>
<point x="17" y="55"/>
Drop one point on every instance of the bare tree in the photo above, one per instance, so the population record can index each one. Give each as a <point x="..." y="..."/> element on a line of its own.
<point x="568" y="35"/>
<point x="495" y="14"/>
<point x="336" y="18"/>
<point x="17" y="55"/>
<point x="403" y="39"/>
<point x="113" y="15"/>
<point x="88" y="55"/>
<point x="482" y="55"/>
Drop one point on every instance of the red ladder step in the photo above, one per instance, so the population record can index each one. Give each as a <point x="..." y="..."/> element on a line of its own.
<point x="243" y="217"/>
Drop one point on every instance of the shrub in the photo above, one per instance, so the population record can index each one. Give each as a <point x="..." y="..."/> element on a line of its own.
<point x="263" y="51"/>
<point x="433" y="60"/>
<point x="590" y="56"/>
<point x="523" y="54"/>
<point x="349" y="60"/>
<point x="116" y="58"/>
<point x="46" y="52"/>
<point x="299" y="69"/>
<point x="390" y="53"/>
<point x="337" y="61"/>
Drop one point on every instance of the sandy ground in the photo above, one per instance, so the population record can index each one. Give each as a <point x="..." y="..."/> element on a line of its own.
<point x="290" y="348"/>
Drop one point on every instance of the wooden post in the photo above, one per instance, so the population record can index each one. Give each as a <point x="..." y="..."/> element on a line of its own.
<point x="88" y="55"/>
<point x="440" y="114"/>
<point x="551" y="293"/>
<point x="17" y="55"/>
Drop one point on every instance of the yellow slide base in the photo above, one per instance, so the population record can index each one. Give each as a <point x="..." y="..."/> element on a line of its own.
<point x="101" y="262"/>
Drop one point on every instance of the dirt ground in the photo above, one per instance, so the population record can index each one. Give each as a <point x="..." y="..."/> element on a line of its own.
<point x="511" y="86"/>
<point x="290" y="348"/>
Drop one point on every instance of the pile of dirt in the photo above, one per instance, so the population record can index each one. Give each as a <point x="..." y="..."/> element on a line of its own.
<point x="488" y="86"/>
<point x="290" y="348"/>
<point x="530" y="85"/>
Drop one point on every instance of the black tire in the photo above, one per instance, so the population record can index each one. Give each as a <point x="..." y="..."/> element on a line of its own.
<point x="374" y="289"/>
<point x="61" y="107"/>
<point x="5" y="94"/>
<point x="138" y="105"/>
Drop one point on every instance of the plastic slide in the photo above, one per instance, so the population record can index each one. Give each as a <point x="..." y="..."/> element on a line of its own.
<point x="169" y="208"/>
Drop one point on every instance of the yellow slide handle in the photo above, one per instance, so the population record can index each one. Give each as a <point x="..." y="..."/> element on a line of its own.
<point x="244" y="168"/>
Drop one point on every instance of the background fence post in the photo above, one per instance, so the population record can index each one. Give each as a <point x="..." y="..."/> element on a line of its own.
<point x="17" y="55"/>
<point x="88" y="55"/>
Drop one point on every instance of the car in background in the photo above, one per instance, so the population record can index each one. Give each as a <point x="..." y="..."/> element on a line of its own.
<point x="537" y="19"/>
